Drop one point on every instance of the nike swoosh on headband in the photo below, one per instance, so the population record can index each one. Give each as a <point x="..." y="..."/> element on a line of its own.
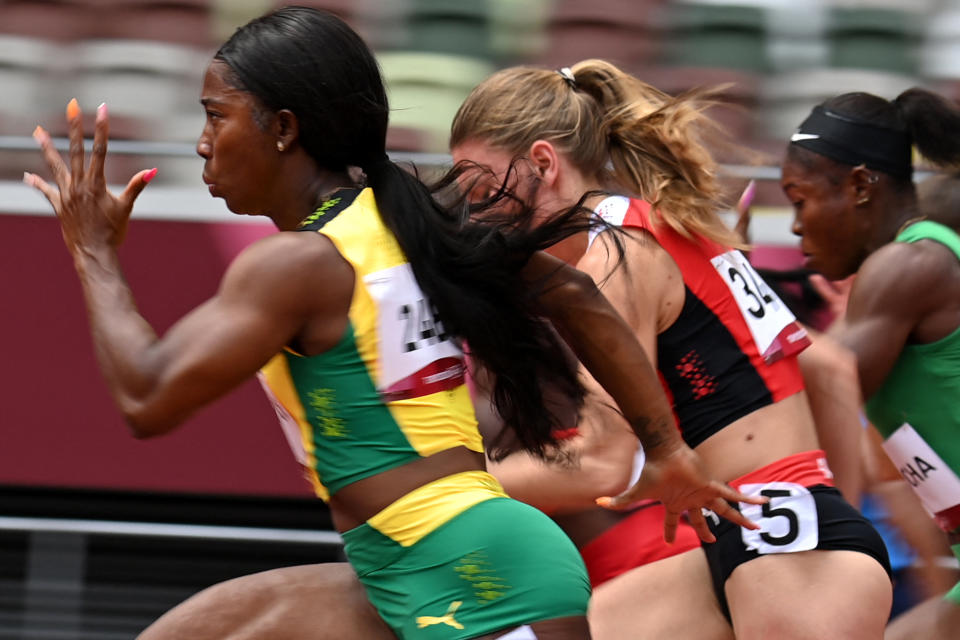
<point x="797" y="137"/>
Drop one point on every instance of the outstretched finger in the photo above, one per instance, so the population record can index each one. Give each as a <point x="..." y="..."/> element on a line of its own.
<point x="61" y="175"/>
<point x="699" y="524"/>
<point x="75" y="123"/>
<point x="136" y="185"/>
<point x="670" y="521"/>
<point x="101" y="133"/>
<point x="38" y="183"/>
<point x="729" y="493"/>
<point x="723" y="509"/>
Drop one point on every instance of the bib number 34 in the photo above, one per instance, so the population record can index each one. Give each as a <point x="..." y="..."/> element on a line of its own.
<point x="771" y="324"/>
<point x="788" y="522"/>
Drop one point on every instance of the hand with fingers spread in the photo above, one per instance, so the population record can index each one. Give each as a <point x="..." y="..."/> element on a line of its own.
<point x="90" y="215"/>
<point x="677" y="479"/>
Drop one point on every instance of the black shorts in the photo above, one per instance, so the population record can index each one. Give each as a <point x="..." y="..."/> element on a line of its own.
<point x="796" y="519"/>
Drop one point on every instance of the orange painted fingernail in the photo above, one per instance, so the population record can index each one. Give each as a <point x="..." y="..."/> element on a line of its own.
<point x="604" y="501"/>
<point x="39" y="133"/>
<point x="73" y="109"/>
<point x="150" y="175"/>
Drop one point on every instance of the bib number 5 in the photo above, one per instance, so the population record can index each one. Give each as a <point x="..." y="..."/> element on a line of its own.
<point x="788" y="522"/>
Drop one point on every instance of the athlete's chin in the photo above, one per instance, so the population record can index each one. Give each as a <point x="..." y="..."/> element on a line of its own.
<point x="232" y="204"/>
<point x="214" y="190"/>
<point x="239" y="209"/>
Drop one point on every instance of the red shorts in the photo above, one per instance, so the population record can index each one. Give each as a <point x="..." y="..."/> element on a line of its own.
<point x="806" y="468"/>
<point x="634" y="541"/>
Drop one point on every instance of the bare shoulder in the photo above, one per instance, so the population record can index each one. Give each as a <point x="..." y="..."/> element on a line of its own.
<point x="287" y="252"/>
<point x="288" y="260"/>
<point x="903" y="274"/>
<point x="642" y="282"/>
<point x="640" y="251"/>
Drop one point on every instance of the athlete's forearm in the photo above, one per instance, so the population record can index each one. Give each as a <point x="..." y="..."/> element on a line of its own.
<point x="830" y="377"/>
<point x="568" y="482"/>
<point x="120" y="334"/>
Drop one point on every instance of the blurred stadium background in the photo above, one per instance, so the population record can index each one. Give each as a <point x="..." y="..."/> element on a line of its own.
<point x="100" y="533"/>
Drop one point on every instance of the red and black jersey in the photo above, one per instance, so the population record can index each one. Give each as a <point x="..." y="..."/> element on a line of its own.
<point x="732" y="350"/>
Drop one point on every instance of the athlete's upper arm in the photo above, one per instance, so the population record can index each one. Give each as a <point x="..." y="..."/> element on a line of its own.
<point x="265" y="299"/>
<point x="895" y="288"/>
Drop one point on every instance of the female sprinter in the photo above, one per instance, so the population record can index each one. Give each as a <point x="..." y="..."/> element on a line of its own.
<point x="849" y="173"/>
<point x="725" y="346"/>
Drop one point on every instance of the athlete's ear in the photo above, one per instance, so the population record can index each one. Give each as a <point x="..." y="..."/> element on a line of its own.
<point x="286" y="128"/>
<point x="863" y="184"/>
<point x="546" y="162"/>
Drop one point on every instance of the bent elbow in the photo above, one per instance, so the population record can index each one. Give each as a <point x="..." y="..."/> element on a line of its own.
<point x="581" y="286"/>
<point x="144" y="424"/>
<point x="140" y="431"/>
<point x="577" y="291"/>
<point x="143" y="429"/>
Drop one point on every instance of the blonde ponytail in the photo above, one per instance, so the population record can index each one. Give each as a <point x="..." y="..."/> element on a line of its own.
<point x="655" y="147"/>
<point x="605" y="118"/>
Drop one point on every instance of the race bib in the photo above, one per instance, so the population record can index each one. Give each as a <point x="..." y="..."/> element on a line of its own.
<point x="417" y="357"/>
<point x="291" y="429"/>
<point x="935" y="483"/>
<point x="788" y="522"/>
<point x="773" y="327"/>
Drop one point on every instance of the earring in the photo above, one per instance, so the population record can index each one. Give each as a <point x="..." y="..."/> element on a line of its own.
<point x="280" y="146"/>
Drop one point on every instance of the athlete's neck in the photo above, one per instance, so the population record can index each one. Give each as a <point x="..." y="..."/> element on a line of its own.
<point x="901" y="212"/>
<point x="305" y="191"/>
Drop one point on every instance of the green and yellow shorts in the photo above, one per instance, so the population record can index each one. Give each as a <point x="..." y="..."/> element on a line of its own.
<point x="458" y="559"/>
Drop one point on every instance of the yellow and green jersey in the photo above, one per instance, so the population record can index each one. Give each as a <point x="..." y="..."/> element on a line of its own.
<point x="392" y="389"/>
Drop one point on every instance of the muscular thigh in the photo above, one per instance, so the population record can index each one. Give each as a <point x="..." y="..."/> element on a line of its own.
<point x="810" y="595"/>
<point x="670" y="598"/>
<point x="311" y="602"/>
<point x="812" y="553"/>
